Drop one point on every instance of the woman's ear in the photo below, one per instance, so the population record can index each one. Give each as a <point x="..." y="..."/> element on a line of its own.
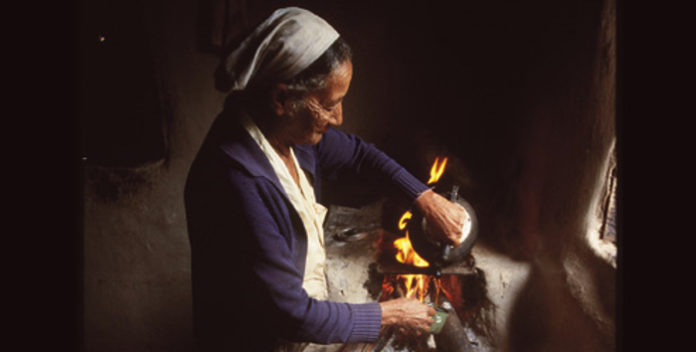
<point x="279" y="96"/>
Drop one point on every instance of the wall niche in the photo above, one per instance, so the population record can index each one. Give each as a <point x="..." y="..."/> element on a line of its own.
<point x="122" y="106"/>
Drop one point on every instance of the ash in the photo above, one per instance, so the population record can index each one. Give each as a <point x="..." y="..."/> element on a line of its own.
<point x="478" y="343"/>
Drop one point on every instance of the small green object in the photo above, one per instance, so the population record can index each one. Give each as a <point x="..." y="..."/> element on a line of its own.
<point x="439" y="319"/>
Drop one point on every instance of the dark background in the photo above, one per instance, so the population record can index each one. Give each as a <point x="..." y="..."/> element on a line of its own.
<point x="520" y="96"/>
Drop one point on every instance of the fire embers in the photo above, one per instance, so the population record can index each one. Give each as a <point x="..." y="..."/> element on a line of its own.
<point x="426" y="288"/>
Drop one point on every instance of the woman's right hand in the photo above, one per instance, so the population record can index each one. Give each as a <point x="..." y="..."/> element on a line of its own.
<point x="407" y="314"/>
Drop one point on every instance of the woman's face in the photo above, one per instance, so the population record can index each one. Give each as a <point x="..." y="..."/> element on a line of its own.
<point x="322" y="108"/>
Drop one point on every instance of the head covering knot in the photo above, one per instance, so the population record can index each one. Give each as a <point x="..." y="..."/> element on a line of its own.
<point x="282" y="46"/>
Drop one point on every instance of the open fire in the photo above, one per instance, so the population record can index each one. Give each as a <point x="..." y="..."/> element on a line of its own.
<point x="414" y="285"/>
<point x="427" y="288"/>
<point x="400" y="272"/>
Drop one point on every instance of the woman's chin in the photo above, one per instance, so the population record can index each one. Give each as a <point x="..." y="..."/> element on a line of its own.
<point x="316" y="137"/>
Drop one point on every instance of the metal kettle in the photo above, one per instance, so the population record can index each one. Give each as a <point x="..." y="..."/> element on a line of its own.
<point x="440" y="254"/>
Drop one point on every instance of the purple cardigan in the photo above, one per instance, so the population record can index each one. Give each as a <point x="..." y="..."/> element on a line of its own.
<point x="247" y="258"/>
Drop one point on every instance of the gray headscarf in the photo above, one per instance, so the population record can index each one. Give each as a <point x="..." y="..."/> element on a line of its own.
<point x="282" y="46"/>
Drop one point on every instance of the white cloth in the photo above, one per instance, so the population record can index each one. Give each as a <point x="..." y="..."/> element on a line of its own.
<point x="282" y="46"/>
<point x="304" y="202"/>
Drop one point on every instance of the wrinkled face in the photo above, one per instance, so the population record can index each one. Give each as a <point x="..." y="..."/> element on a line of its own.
<point x="320" y="109"/>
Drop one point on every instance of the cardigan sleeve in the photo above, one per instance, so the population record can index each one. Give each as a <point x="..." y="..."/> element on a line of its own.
<point x="300" y="317"/>
<point x="338" y="151"/>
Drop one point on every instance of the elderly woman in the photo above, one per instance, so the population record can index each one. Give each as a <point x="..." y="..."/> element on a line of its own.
<point x="255" y="224"/>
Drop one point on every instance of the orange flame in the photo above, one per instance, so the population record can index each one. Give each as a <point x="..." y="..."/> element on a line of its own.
<point x="404" y="219"/>
<point x="406" y="254"/>
<point x="419" y="290"/>
<point x="414" y="284"/>
<point x="437" y="170"/>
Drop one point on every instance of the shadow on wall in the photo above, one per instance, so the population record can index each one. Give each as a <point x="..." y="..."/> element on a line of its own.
<point x="547" y="318"/>
<point x="568" y="301"/>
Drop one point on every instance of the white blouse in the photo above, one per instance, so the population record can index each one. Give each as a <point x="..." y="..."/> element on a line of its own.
<point x="304" y="202"/>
